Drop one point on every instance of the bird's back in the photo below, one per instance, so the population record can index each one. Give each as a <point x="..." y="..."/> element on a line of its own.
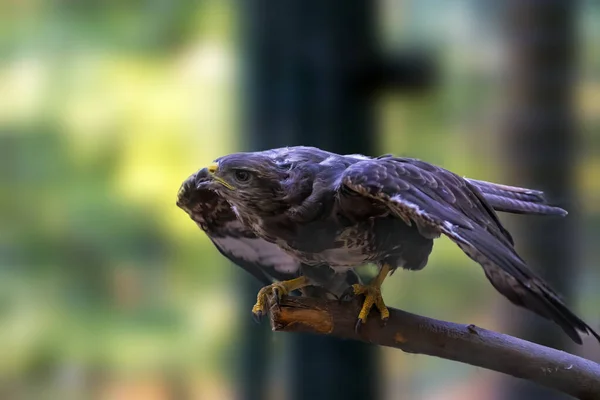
<point x="318" y="229"/>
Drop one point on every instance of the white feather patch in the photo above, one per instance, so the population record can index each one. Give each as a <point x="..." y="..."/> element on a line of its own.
<point x="415" y="208"/>
<point x="359" y="157"/>
<point x="330" y="161"/>
<point x="343" y="258"/>
<point x="258" y="251"/>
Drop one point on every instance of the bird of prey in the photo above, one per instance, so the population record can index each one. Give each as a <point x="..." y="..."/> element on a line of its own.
<point x="300" y="216"/>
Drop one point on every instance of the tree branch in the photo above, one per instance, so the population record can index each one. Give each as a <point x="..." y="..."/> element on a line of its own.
<point x="464" y="343"/>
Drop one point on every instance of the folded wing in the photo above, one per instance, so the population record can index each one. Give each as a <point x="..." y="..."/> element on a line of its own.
<point x="434" y="198"/>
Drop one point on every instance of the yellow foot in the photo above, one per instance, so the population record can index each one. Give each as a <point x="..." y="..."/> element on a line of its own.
<point x="373" y="296"/>
<point x="372" y="293"/>
<point x="275" y="291"/>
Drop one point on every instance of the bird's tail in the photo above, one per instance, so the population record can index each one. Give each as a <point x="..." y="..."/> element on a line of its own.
<point x="516" y="200"/>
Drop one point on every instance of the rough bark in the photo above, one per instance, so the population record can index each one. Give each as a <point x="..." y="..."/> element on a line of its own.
<point x="468" y="344"/>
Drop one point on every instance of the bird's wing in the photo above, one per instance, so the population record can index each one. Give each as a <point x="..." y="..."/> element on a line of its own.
<point x="516" y="200"/>
<point x="435" y="199"/>
<point x="264" y="260"/>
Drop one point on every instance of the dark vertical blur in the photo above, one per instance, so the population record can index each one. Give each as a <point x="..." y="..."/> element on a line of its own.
<point x="541" y="152"/>
<point x="302" y="60"/>
<point x="311" y="73"/>
<point x="253" y="348"/>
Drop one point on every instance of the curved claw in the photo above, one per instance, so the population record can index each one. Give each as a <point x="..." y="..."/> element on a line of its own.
<point x="262" y="300"/>
<point x="257" y="316"/>
<point x="275" y="292"/>
<point x="358" y="325"/>
<point x="259" y="310"/>
<point x="372" y="298"/>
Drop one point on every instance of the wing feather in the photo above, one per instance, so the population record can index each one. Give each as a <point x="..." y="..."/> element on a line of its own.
<point x="516" y="200"/>
<point x="437" y="199"/>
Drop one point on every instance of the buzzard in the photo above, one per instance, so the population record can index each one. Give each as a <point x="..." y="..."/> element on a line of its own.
<point x="299" y="217"/>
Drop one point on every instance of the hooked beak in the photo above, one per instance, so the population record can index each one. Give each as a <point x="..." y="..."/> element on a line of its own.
<point x="212" y="169"/>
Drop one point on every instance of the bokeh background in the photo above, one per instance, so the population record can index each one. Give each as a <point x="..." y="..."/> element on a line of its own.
<point x="109" y="291"/>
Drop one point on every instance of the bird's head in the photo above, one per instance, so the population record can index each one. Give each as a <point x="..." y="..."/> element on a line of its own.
<point x="248" y="181"/>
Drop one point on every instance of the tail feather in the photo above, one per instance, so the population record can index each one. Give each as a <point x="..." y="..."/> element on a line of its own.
<point x="509" y="274"/>
<point x="514" y="192"/>
<point x="516" y="200"/>
<point x="505" y="204"/>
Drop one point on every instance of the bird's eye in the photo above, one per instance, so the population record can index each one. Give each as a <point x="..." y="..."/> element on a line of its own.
<point x="242" y="176"/>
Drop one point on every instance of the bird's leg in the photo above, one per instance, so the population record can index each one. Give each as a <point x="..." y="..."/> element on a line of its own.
<point x="277" y="290"/>
<point x="372" y="293"/>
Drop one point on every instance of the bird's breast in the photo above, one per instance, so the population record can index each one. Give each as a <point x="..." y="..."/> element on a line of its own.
<point x="342" y="243"/>
<point x="332" y="243"/>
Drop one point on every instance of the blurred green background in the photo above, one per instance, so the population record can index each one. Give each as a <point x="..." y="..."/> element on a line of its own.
<point x="107" y="289"/>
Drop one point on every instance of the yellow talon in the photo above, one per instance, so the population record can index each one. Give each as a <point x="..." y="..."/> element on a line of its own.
<point x="383" y="310"/>
<point x="372" y="298"/>
<point x="372" y="293"/>
<point x="277" y="290"/>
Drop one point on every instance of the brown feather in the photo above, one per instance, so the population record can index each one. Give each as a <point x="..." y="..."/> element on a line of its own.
<point x="458" y="210"/>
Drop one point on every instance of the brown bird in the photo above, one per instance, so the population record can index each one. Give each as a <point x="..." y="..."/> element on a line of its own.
<point x="303" y="217"/>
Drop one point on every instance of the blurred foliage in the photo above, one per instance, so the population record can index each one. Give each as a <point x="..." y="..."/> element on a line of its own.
<point x="107" y="107"/>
